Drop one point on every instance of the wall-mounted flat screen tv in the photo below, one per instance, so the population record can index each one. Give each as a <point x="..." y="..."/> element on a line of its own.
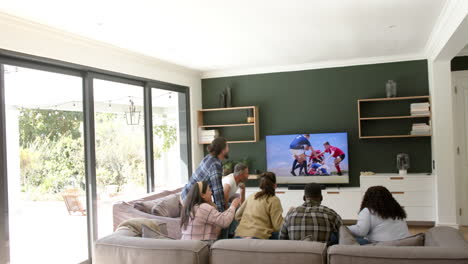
<point x="303" y="158"/>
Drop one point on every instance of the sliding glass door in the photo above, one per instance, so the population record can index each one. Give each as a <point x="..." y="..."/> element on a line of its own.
<point x="120" y="147"/>
<point x="170" y="138"/>
<point x="73" y="142"/>
<point x="45" y="157"/>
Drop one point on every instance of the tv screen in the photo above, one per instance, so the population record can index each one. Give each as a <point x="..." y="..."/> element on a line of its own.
<point x="304" y="158"/>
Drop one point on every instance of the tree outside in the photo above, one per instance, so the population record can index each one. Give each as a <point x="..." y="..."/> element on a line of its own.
<point x="52" y="152"/>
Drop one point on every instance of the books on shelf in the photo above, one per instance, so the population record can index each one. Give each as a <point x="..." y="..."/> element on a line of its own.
<point x="207" y="135"/>
<point x="421" y="129"/>
<point x="420" y="109"/>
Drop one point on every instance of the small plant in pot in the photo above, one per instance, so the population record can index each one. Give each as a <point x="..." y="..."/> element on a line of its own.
<point x="228" y="165"/>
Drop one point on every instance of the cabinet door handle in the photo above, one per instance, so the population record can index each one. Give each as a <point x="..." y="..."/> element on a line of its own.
<point x="280" y="192"/>
<point x="397" y="178"/>
<point x="398" y="192"/>
<point x="333" y="192"/>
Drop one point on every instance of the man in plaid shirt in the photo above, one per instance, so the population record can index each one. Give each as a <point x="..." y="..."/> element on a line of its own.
<point x="311" y="221"/>
<point x="211" y="170"/>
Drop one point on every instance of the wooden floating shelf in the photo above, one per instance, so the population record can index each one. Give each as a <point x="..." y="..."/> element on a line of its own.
<point x="361" y="119"/>
<point x="255" y="134"/>
<point x="395" y="136"/>
<point x="227" y="108"/>
<point x="228" y="125"/>
<point x="395" y="98"/>
<point x="393" y="117"/>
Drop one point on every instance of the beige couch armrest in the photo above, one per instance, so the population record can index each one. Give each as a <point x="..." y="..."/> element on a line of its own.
<point x="444" y="236"/>
<point x="118" y="249"/>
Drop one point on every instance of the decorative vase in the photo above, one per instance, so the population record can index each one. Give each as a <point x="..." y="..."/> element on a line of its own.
<point x="222" y="100"/>
<point x="391" y="89"/>
<point x="403" y="163"/>
<point x="227" y="92"/>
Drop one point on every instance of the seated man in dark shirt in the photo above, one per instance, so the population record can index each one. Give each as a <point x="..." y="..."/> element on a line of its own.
<point x="311" y="221"/>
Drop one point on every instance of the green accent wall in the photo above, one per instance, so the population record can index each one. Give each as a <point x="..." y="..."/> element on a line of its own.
<point x="459" y="63"/>
<point x="324" y="101"/>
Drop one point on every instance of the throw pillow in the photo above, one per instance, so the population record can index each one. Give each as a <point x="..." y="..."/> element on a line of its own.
<point x="412" y="241"/>
<point x="168" y="206"/>
<point x="346" y="237"/>
<point x="147" y="232"/>
<point x="141" y="207"/>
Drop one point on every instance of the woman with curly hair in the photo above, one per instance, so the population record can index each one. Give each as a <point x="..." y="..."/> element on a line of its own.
<point x="381" y="218"/>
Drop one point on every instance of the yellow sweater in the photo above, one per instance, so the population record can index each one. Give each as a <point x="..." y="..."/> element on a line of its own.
<point x="259" y="218"/>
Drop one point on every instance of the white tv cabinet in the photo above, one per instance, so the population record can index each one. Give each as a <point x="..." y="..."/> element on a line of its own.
<point x="415" y="192"/>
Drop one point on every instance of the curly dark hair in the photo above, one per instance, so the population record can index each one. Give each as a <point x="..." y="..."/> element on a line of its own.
<point x="380" y="201"/>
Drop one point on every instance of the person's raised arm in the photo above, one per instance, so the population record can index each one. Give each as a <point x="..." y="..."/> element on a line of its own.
<point x="362" y="227"/>
<point x="240" y="211"/>
<point x="223" y="219"/>
<point x="226" y="190"/>
<point x="242" y="192"/>
<point x="217" y="186"/>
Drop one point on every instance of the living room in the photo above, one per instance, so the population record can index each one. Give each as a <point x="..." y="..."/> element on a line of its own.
<point x="106" y="110"/>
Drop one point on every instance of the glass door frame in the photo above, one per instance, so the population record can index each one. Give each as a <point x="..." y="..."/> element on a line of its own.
<point x="88" y="74"/>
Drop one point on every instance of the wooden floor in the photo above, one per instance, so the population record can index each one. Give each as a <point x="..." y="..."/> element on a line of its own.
<point x="419" y="229"/>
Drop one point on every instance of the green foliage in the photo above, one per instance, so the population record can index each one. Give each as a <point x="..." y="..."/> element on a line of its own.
<point x="50" y="124"/>
<point x="228" y="165"/>
<point x="120" y="152"/>
<point x="50" y="166"/>
<point x="166" y="137"/>
<point x="52" y="151"/>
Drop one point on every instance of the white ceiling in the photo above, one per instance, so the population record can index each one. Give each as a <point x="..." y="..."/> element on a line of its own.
<point x="464" y="51"/>
<point x="213" y="35"/>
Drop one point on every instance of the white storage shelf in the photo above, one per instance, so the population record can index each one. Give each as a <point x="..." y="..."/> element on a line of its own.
<point x="415" y="192"/>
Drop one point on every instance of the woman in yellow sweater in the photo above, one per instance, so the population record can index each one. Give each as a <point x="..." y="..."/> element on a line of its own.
<point x="260" y="215"/>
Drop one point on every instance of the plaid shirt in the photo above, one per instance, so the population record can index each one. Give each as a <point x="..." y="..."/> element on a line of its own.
<point x="210" y="169"/>
<point x="310" y="221"/>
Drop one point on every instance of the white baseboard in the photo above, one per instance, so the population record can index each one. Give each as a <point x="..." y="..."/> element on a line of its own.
<point x="454" y="225"/>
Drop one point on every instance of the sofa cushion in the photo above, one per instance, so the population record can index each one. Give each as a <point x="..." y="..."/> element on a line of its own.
<point x="346" y="237"/>
<point x="141" y="206"/>
<point x="168" y="206"/>
<point x="342" y="254"/>
<point x="147" y="232"/>
<point x="412" y="241"/>
<point x="234" y="251"/>
<point x="136" y="224"/>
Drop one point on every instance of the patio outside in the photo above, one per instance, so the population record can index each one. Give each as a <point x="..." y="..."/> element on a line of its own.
<point x="46" y="158"/>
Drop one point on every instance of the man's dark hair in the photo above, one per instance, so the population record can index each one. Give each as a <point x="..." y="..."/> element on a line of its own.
<point x="326" y="143"/>
<point x="313" y="190"/>
<point x="217" y="146"/>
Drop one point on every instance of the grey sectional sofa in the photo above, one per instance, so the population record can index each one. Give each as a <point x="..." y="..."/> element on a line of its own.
<point x="126" y="210"/>
<point x="442" y="245"/>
